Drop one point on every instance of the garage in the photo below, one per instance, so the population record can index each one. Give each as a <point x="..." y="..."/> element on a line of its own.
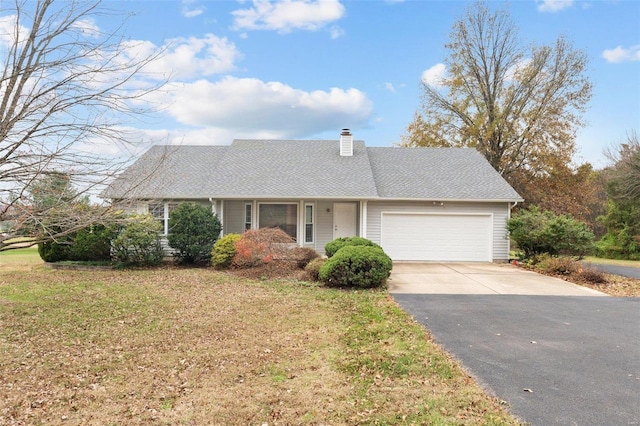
<point x="437" y="237"/>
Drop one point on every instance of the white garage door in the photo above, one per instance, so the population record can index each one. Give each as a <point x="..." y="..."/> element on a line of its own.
<point x="437" y="237"/>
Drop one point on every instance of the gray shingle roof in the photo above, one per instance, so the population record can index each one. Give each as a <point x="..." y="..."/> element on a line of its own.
<point x="293" y="168"/>
<point x="437" y="174"/>
<point x="310" y="169"/>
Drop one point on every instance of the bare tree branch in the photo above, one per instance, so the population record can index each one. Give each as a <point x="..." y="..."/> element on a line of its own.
<point x="67" y="91"/>
<point x="517" y="106"/>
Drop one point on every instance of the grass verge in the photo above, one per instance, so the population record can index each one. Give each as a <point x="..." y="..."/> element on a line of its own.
<point x="630" y="263"/>
<point x="193" y="346"/>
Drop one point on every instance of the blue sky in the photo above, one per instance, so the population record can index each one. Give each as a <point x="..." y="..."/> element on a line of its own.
<point x="306" y="69"/>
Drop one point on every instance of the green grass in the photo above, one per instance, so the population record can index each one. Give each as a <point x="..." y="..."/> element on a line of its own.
<point x="185" y="346"/>
<point x="23" y="258"/>
<point x="631" y="263"/>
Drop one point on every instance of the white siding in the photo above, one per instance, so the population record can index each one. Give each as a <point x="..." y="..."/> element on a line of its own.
<point x="499" y="211"/>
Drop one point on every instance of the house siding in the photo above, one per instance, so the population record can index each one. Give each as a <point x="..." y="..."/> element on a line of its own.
<point x="499" y="211"/>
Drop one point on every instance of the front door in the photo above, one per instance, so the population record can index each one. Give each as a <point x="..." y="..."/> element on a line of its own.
<point x="344" y="220"/>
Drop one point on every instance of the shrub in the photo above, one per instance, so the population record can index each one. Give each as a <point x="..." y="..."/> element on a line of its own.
<point x="536" y="232"/>
<point x="193" y="230"/>
<point x="261" y="246"/>
<point x="313" y="268"/>
<point x="333" y="246"/>
<point x="558" y="265"/>
<point x="93" y="243"/>
<point x="138" y="242"/>
<point x="303" y="255"/>
<point x="224" y="251"/>
<point x="619" y="245"/>
<point x="55" y="251"/>
<point x="592" y="275"/>
<point x="356" y="266"/>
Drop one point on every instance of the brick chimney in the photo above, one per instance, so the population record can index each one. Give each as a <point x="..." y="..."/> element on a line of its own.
<point x="346" y="143"/>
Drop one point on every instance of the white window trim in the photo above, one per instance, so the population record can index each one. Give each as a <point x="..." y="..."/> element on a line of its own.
<point x="313" y="223"/>
<point x="165" y="214"/>
<point x="251" y="220"/>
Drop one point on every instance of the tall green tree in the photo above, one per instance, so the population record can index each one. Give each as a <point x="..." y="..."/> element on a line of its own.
<point x="518" y="105"/>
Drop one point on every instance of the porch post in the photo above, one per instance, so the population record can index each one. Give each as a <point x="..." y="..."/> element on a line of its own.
<point x="300" y="236"/>
<point x="221" y="217"/>
<point x="363" y="219"/>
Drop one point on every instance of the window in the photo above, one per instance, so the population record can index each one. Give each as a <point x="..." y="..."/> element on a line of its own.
<point x="161" y="211"/>
<point x="308" y="223"/>
<point x="283" y="216"/>
<point x="247" y="216"/>
<point x="157" y="211"/>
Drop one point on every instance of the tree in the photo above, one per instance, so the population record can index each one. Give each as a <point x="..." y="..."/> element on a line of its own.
<point x="518" y="107"/>
<point x="193" y="231"/>
<point x="537" y="232"/>
<point x="580" y="192"/>
<point x="65" y="85"/>
<point x="625" y="175"/>
<point x="622" y="218"/>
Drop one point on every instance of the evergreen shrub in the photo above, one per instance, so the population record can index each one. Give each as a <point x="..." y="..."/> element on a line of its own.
<point x="333" y="246"/>
<point x="138" y="242"/>
<point x="358" y="266"/>
<point x="193" y="231"/>
<point x="224" y="250"/>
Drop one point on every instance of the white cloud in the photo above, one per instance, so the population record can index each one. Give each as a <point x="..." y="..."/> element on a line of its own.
<point x="620" y="54"/>
<point x="289" y="15"/>
<point x="434" y="75"/>
<point x="8" y="28"/>
<point x="87" y="27"/>
<point x="390" y="87"/>
<point x="336" y="32"/>
<point x="185" y="58"/>
<point x="249" y="107"/>
<point x="190" y="9"/>
<point x="554" y="5"/>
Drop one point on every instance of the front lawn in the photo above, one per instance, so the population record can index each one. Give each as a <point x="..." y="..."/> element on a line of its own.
<point x="194" y="346"/>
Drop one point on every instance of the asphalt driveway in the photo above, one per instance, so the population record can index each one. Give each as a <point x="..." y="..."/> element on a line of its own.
<point x="556" y="353"/>
<point x="625" y="271"/>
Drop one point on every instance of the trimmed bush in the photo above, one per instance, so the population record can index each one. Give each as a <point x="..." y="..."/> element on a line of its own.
<point x="224" y="250"/>
<point x="356" y="266"/>
<point x="313" y="268"/>
<point x="536" y="232"/>
<point x="55" y="251"/>
<point x="193" y="230"/>
<point x="93" y="244"/>
<point x="138" y="242"/>
<point x="333" y="246"/>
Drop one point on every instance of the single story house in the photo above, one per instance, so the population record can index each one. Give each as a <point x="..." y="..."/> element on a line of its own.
<point x="419" y="204"/>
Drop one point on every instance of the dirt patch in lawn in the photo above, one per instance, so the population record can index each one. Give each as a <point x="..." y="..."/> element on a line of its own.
<point x="194" y="346"/>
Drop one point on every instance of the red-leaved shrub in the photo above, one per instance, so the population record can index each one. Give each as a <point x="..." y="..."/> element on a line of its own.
<point x="261" y="246"/>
